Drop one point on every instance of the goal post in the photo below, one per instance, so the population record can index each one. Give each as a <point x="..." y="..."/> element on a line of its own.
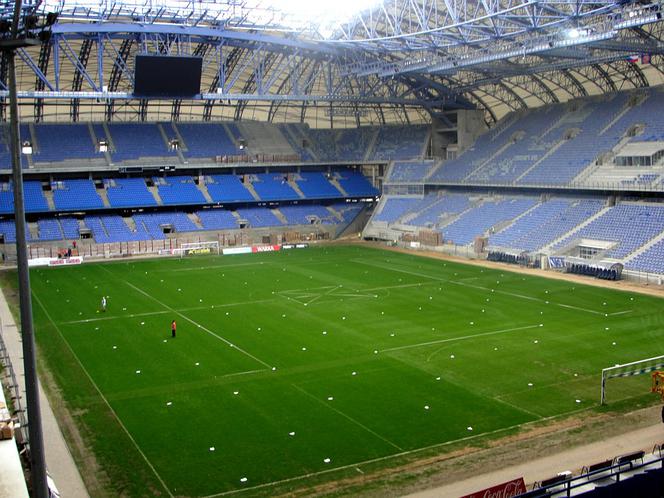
<point x="192" y="248"/>
<point x="639" y="367"/>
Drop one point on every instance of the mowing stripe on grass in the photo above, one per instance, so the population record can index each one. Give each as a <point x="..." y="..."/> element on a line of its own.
<point x="458" y="282"/>
<point x="94" y="384"/>
<point x="348" y="417"/>
<point x="223" y="339"/>
<point x="462" y="338"/>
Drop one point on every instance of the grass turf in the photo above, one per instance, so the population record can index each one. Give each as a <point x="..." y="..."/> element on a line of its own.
<point x="301" y="362"/>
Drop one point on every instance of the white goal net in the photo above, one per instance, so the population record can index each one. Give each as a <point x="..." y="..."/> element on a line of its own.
<point x="639" y="367"/>
<point x="193" y="248"/>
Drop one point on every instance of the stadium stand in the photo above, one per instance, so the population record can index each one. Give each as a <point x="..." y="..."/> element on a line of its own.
<point x="354" y="183"/>
<point x="69" y="195"/>
<point x="174" y="190"/>
<point x="544" y="224"/>
<point x="273" y="186"/>
<point x="629" y="226"/>
<point x="307" y="214"/>
<point x="113" y="228"/>
<point x="259" y="217"/>
<point x="479" y="220"/>
<point x="395" y="207"/>
<point x="410" y="171"/>
<point x="206" y="140"/>
<point x="401" y="142"/>
<point x="217" y="219"/>
<point x="59" y="142"/>
<point x="154" y="223"/>
<point x="227" y="188"/>
<point x="128" y="192"/>
<point x="432" y="209"/>
<point x="134" y="141"/>
<point x="316" y="186"/>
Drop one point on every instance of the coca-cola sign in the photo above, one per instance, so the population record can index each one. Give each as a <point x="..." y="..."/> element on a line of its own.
<point x="504" y="490"/>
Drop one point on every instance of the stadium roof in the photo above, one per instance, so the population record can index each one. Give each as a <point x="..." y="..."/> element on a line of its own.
<point x="390" y="60"/>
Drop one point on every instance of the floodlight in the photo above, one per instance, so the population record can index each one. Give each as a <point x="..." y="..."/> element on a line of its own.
<point x="573" y="33"/>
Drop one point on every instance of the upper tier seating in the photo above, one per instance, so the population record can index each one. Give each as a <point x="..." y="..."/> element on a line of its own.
<point x="175" y="190"/>
<point x="32" y="194"/>
<point x="227" y="188"/>
<point x="409" y="171"/>
<point x="59" y="142"/>
<point x="49" y="229"/>
<point x="355" y="183"/>
<point x="316" y="186"/>
<point x="347" y="210"/>
<point x="69" y="195"/>
<point x="207" y="140"/>
<point x="479" y="220"/>
<point x="401" y="142"/>
<point x="273" y="186"/>
<point x="629" y="225"/>
<point x="544" y="224"/>
<point x="127" y="192"/>
<point x="134" y="141"/>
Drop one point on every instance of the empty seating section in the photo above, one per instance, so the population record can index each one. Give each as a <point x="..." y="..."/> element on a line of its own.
<point x="546" y="223"/>
<point x="411" y="171"/>
<point x="433" y="207"/>
<point x="112" y="228"/>
<point x="577" y="153"/>
<point x="128" y="192"/>
<point x="60" y="142"/>
<point x="348" y="211"/>
<point x="259" y="217"/>
<point x="355" y="184"/>
<point x="134" y="141"/>
<point x="70" y="228"/>
<point x="8" y="231"/>
<point x="178" y="190"/>
<point x="227" y="188"/>
<point x="69" y="195"/>
<point x="629" y="225"/>
<point x="535" y="140"/>
<point x="651" y="260"/>
<point x="395" y="207"/>
<point x="401" y="142"/>
<point x="217" y="219"/>
<point x="154" y="223"/>
<point x="49" y="229"/>
<point x="273" y="186"/>
<point x="316" y="186"/>
<point x="306" y="214"/>
<point x="351" y="144"/>
<point x="296" y="137"/>
<point x="206" y="140"/>
<point x="486" y="145"/>
<point x="477" y="221"/>
<point x="647" y="112"/>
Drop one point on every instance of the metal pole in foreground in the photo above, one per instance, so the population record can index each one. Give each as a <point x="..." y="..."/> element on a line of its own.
<point x="37" y="460"/>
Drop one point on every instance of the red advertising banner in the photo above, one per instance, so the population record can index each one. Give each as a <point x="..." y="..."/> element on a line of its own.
<point x="504" y="490"/>
<point x="265" y="248"/>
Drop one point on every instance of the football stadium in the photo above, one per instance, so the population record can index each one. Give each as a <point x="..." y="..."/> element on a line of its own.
<point x="370" y="248"/>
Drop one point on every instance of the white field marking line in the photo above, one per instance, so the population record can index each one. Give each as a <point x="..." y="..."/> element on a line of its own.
<point x="358" y="295"/>
<point x="542" y="386"/>
<point x="324" y="294"/>
<point x="102" y="395"/>
<point x="190" y="320"/>
<point x="518" y="408"/>
<point x="462" y="338"/>
<point x="348" y="417"/>
<point x="196" y="308"/>
<point x="620" y="312"/>
<point x="396" y="455"/>
<point x="458" y="282"/>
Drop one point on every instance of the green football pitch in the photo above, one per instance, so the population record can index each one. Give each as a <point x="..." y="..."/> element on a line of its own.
<point x="301" y="365"/>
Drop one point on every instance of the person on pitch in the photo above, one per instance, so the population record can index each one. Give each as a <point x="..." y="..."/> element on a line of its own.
<point x="173" y="328"/>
